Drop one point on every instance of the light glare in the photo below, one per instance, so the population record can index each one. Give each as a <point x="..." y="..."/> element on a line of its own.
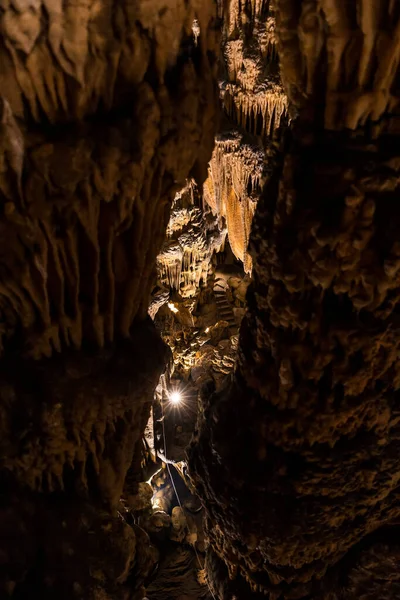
<point x="175" y="397"/>
<point x="172" y="307"/>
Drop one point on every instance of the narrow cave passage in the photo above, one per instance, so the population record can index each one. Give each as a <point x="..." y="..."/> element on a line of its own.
<point x="199" y="298"/>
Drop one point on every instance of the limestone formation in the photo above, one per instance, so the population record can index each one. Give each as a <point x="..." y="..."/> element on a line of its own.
<point x="302" y="495"/>
<point x="256" y="110"/>
<point x="251" y="89"/>
<point x="193" y="237"/>
<point x="235" y="177"/>
<point x="125" y="263"/>
<point x="106" y="110"/>
<point x="92" y="153"/>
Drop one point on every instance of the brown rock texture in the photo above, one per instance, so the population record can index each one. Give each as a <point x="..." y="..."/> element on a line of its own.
<point x="193" y="237"/>
<point x="297" y="459"/>
<point x="251" y="87"/>
<point x="255" y="111"/>
<point x="106" y="109"/>
<point x="233" y="186"/>
<point x="98" y="131"/>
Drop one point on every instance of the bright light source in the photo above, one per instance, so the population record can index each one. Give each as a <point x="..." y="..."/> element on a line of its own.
<point x="207" y="329"/>
<point x="195" y="30"/>
<point x="172" y="307"/>
<point x="175" y="397"/>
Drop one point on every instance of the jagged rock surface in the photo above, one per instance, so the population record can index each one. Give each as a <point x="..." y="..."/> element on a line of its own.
<point x="106" y="109"/>
<point x="235" y="176"/>
<point x="177" y="578"/>
<point x="255" y="106"/>
<point x="361" y="43"/>
<point x="51" y="433"/>
<point x="193" y="237"/>
<point x="86" y="191"/>
<point x="297" y="460"/>
<point x="251" y="88"/>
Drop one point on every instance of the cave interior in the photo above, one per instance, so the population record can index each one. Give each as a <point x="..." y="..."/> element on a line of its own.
<point x="199" y="288"/>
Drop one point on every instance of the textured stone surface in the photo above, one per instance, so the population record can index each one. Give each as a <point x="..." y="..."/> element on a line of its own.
<point x="178" y="577"/>
<point x="52" y="540"/>
<point x="357" y="42"/>
<point x="98" y="132"/>
<point x="255" y="106"/>
<point x="79" y="415"/>
<point x="297" y="460"/>
<point x="106" y="109"/>
<point x="251" y="88"/>
<point x="107" y="116"/>
<point x="194" y="235"/>
<point x="235" y="176"/>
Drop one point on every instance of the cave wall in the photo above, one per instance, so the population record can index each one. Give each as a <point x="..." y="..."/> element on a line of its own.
<point x="106" y="115"/>
<point x="106" y="108"/>
<point x="297" y="459"/>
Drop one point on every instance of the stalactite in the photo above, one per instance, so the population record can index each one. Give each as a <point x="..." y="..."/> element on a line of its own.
<point x="357" y="89"/>
<point x="184" y="260"/>
<point x="247" y="108"/>
<point x="235" y="177"/>
<point x="268" y="41"/>
<point x="237" y="12"/>
<point x="252" y="95"/>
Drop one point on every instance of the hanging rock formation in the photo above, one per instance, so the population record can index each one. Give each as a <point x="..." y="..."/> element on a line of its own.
<point x="251" y="89"/>
<point x="105" y="110"/>
<point x="297" y="459"/>
<point x="255" y="107"/>
<point x="233" y="186"/>
<point x="193" y="237"/>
